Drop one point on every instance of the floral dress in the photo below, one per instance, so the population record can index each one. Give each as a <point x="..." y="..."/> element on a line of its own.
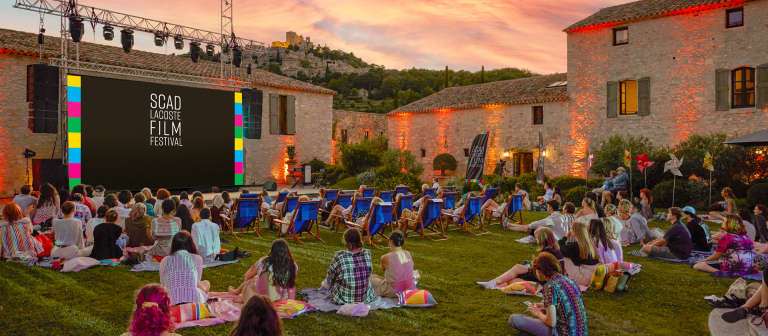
<point x="738" y="254"/>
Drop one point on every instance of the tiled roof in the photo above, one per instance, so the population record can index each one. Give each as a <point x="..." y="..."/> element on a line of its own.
<point x="642" y="9"/>
<point x="531" y="90"/>
<point x="13" y="41"/>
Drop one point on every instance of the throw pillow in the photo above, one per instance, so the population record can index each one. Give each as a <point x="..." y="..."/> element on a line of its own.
<point x="190" y="312"/>
<point x="292" y="308"/>
<point x="523" y="288"/>
<point x="415" y="298"/>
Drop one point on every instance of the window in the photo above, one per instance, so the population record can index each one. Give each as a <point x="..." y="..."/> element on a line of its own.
<point x="365" y="135"/>
<point x="381" y="134"/>
<point x="628" y="97"/>
<point x="620" y="36"/>
<point x="466" y="152"/>
<point x="423" y="153"/>
<point x="734" y="17"/>
<point x="282" y="114"/>
<point x="252" y="105"/>
<point x="538" y="115"/>
<point x="743" y="88"/>
<point x="343" y="136"/>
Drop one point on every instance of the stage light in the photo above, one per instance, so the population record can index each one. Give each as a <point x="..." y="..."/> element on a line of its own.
<point x="178" y="42"/>
<point x="109" y="33"/>
<point x="194" y="51"/>
<point x="76" y="28"/>
<point x="237" y="55"/>
<point x="209" y="50"/>
<point x="249" y="69"/>
<point x="41" y="37"/>
<point x="159" y="39"/>
<point x="28" y="153"/>
<point x="126" y="38"/>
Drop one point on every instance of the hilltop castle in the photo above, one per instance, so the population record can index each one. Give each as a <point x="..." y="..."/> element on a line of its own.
<point x="293" y="61"/>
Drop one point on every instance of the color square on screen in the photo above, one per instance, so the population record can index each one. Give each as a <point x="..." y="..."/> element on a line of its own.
<point x="238" y="97"/>
<point x="73" y="81"/>
<point x="238" y="167"/>
<point x="238" y="132"/>
<point x="73" y="109"/>
<point x="73" y="125"/>
<point x="73" y="94"/>
<point x="238" y="109"/>
<point x="238" y="156"/>
<point x="238" y="121"/>
<point x="74" y="140"/>
<point x="74" y="181"/>
<point x="74" y="155"/>
<point x="238" y="179"/>
<point x="74" y="170"/>
<point x="238" y="144"/>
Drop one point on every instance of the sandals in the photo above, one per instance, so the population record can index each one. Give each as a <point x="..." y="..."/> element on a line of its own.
<point x="728" y="302"/>
<point x="735" y="315"/>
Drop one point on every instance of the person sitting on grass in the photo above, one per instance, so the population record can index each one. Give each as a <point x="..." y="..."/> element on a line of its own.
<point x="82" y="213"/>
<point x="761" y="212"/>
<point x="69" y="235"/>
<point x="93" y="223"/>
<point x="17" y="230"/>
<point x="637" y="230"/>
<point x="398" y="269"/>
<point x="205" y="234"/>
<point x="350" y="269"/>
<point x="569" y="216"/>
<point x="105" y="238"/>
<point x="148" y="197"/>
<point x="184" y="199"/>
<point x="137" y="226"/>
<point x="561" y="312"/>
<point x="149" y="209"/>
<point x="181" y="272"/>
<point x="613" y="231"/>
<point x="605" y="248"/>
<point x="546" y="241"/>
<point x="676" y="243"/>
<point x="228" y="201"/>
<point x="587" y="211"/>
<point x="258" y="317"/>
<point x="580" y="256"/>
<point x="162" y="195"/>
<point x="152" y="313"/>
<point x="218" y="210"/>
<point x="746" y="218"/>
<point x="197" y="204"/>
<point x="280" y="271"/>
<point x="735" y="251"/>
<point x="598" y="208"/>
<point x="646" y="200"/>
<point x="700" y="235"/>
<point x="163" y="229"/>
<point x="756" y="305"/>
<point x="541" y="201"/>
<point x="613" y="222"/>
<point x="555" y="221"/>
<point x="721" y="209"/>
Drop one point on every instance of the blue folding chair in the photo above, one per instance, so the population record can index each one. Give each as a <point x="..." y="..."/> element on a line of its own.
<point x="465" y="221"/>
<point x="429" y="216"/>
<point x="449" y="200"/>
<point x="289" y="203"/>
<point x="514" y="206"/>
<point x="449" y="189"/>
<point x="429" y="192"/>
<point x="246" y="215"/>
<point x="405" y="202"/>
<point x="369" y="192"/>
<point x="339" y="199"/>
<point x="303" y="220"/>
<point x="386" y="196"/>
<point x="331" y="194"/>
<point x="375" y="222"/>
<point x="360" y="204"/>
<point x="490" y="193"/>
<point x="401" y="190"/>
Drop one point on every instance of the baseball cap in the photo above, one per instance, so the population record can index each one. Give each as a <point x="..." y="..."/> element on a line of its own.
<point x="689" y="209"/>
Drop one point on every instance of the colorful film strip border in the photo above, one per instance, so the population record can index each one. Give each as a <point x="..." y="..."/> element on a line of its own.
<point x="238" y="138"/>
<point x="473" y="181"/>
<point x="73" y="128"/>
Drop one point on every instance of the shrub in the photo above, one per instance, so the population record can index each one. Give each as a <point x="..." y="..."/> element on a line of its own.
<point x="357" y="158"/>
<point x="567" y="182"/>
<point x="758" y="194"/>
<point x="401" y="161"/>
<point x="333" y="173"/>
<point x="698" y="194"/>
<point x="444" y="162"/>
<point x="317" y="164"/>
<point x="390" y="182"/>
<point x="742" y="203"/>
<point x="349" y="183"/>
<point x="367" y="178"/>
<point x="662" y="194"/>
<point x="574" y="195"/>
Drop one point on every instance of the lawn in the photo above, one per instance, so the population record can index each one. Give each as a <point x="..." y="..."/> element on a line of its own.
<point x="664" y="299"/>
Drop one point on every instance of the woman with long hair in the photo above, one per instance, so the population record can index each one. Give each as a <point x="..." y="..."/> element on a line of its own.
<point x="279" y="271"/>
<point x="162" y="195"/>
<point x="746" y="218"/>
<point x="726" y="207"/>
<point x="152" y="313"/>
<point x="605" y="248"/>
<point x="579" y="255"/>
<point x="350" y="269"/>
<point x="105" y="237"/>
<point x="761" y="222"/>
<point x="148" y="197"/>
<point x="546" y="241"/>
<point x="48" y="205"/>
<point x="162" y="230"/>
<point x="182" y="212"/>
<point x="197" y="204"/>
<point x="398" y="269"/>
<point x="80" y="189"/>
<point x="258" y="317"/>
<point x="181" y="272"/>
<point x="228" y="202"/>
<point x="63" y="196"/>
<point x="613" y="228"/>
<point x="588" y="211"/>
<point x="184" y="199"/>
<point x="557" y="195"/>
<point x="137" y="226"/>
<point x="735" y="251"/>
<point x="16" y="230"/>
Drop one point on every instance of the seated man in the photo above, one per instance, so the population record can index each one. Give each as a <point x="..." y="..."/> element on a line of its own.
<point x="621" y="182"/>
<point x="540" y="205"/>
<point x="676" y="243"/>
<point x="606" y="183"/>
<point x="417" y="204"/>
<point x="637" y="230"/>
<point x="436" y="186"/>
<point x="700" y="235"/>
<point x="526" y="200"/>
<point x="205" y="234"/>
<point x="555" y="222"/>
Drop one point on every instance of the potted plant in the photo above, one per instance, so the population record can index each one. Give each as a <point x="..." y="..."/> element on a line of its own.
<point x="444" y="162"/>
<point x="290" y="151"/>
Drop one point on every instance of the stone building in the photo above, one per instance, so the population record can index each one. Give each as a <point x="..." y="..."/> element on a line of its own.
<point x="354" y="127"/>
<point x="291" y="38"/>
<point x="661" y="69"/>
<point x="264" y="158"/>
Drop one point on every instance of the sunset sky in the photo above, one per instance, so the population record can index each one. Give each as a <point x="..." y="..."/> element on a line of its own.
<point x="395" y="33"/>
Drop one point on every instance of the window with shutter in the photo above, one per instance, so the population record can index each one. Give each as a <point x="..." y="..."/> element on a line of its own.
<point x="290" y="118"/>
<point x="761" y="100"/>
<point x="612" y="91"/>
<point x="274" y="113"/>
<point x="743" y="87"/>
<point x="644" y="96"/>
<point x="721" y="87"/>
<point x="628" y="97"/>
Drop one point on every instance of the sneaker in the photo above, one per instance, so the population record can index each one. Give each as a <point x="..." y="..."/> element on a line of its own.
<point x="526" y="240"/>
<point x="488" y="285"/>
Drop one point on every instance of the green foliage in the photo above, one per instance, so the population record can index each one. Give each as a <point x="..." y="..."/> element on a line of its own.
<point x="290" y="151"/>
<point x="274" y="68"/>
<point x="400" y="160"/>
<point x="388" y="180"/>
<point x="567" y="182"/>
<point x="317" y="164"/>
<point x="662" y="194"/>
<point x="334" y="173"/>
<point x="367" y="177"/>
<point x="444" y="162"/>
<point x="758" y="194"/>
<point x="359" y="157"/>
<point x="698" y="194"/>
<point x="348" y="183"/>
<point x="574" y="195"/>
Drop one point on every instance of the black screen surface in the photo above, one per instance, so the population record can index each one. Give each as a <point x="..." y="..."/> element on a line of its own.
<point x="132" y="137"/>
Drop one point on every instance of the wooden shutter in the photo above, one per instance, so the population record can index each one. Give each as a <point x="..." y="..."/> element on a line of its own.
<point x="257" y="100"/>
<point x="644" y="96"/>
<point x="274" y="113"/>
<point x="721" y="95"/>
<point x="290" y="118"/>
<point x="611" y="99"/>
<point x="761" y="86"/>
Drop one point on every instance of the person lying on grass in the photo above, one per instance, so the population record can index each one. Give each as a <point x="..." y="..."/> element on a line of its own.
<point x="398" y="269"/>
<point x="350" y="269"/>
<point x="561" y="312"/>
<point x="555" y="221"/>
<point x="279" y="271"/>
<point x="735" y="251"/>
<point x="152" y="313"/>
<point x="676" y="243"/>
<point x="546" y="241"/>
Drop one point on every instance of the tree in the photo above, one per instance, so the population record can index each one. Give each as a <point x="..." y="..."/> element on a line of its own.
<point x="409" y="92"/>
<point x="400" y="160"/>
<point x="482" y="74"/>
<point x="305" y="63"/>
<point x="296" y="48"/>
<point x="278" y="56"/>
<point x="444" y="162"/>
<point x="354" y="93"/>
<point x="447" y="80"/>
<point x="302" y="76"/>
<point x="274" y="68"/>
<point x="335" y="85"/>
<point x="397" y="103"/>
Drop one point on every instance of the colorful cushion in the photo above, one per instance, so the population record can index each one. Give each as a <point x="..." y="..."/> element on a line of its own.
<point x="523" y="288"/>
<point x="292" y="308"/>
<point x="415" y="298"/>
<point x="190" y="312"/>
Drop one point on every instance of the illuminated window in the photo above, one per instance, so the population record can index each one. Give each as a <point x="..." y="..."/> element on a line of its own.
<point x="466" y="152"/>
<point x="343" y="136"/>
<point x="743" y="87"/>
<point x="620" y="36"/>
<point x="365" y="135"/>
<point x="734" y="17"/>
<point x="628" y="94"/>
<point x="538" y="115"/>
<point x="423" y="153"/>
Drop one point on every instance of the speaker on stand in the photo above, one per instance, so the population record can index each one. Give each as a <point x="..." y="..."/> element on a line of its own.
<point x="43" y="98"/>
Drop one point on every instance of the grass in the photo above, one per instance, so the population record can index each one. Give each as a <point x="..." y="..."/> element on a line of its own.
<point x="664" y="299"/>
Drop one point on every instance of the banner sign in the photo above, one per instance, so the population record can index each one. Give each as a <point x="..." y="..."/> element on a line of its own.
<point x="477" y="158"/>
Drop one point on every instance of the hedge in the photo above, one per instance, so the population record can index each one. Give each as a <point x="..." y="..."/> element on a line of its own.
<point x="758" y="194"/>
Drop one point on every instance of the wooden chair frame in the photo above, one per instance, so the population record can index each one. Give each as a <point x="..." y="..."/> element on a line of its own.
<point x="357" y="205"/>
<point x="306" y="227"/>
<point x="385" y="208"/>
<point x="505" y="213"/>
<point x="421" y="226"/>
<point x="463" y="222"/>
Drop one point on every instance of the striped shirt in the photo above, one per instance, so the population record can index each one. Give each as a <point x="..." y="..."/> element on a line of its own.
<point x="17" y="237"/>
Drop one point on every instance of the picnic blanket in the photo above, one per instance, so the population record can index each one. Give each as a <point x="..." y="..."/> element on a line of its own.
<point x="694" y="258"/>
<point x="82" y="263"/>
<point x="148" y="266"/>
<point x="224" y="310"/>
<point x="320" y="298"/>
<point x="725" y="274"/>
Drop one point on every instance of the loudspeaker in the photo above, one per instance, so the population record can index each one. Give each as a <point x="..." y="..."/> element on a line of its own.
<point x="43" y="98"/>
<point x="49" y="171"/>
<point x="270" y="186"/>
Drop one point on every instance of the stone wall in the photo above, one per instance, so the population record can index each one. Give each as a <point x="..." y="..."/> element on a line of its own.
<point x="356" y="124"/>
<point x="680" y="54"/>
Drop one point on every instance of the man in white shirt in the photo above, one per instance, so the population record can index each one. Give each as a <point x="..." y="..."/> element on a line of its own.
<point x="436" y="186"/>
<point x="205" y="234"/>
<point x="555" y="222"/>
<point x="24" y="200"/>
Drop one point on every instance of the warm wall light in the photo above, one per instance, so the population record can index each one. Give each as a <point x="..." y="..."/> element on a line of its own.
<point x="544" y="153"/>
<point x="506" y="154"/>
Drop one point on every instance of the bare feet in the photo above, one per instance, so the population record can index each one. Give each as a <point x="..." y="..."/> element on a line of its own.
<point x="232" y="290"/>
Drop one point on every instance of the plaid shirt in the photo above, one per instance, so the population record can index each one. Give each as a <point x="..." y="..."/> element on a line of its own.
<point x="348" y="275"/>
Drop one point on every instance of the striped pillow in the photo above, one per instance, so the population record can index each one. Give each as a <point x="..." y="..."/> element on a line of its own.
<point x="190" y="312"/>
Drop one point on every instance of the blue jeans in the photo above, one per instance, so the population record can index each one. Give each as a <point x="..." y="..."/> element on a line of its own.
<point x="531" y="325"/>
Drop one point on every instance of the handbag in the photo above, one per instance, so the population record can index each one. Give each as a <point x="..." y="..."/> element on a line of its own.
<point x="613" y="281"/>
<point x="229" y="256"/>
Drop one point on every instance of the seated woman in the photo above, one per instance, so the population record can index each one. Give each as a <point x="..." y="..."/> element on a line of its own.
<point x="152" y="313"/>
<point x="728" y="207"/>
<point x="580" y="255"/>
<point x="613" y="228"/>
<point x="163" y="229"/>
<point x="746" y="218"/>
<point x="546" y="241"/>
<point x="197" y="204"/>
<point x="417" y="204"/>
<point x="561" y="312"/>
<point x="93" y="223"/>
<point x="276" y="206"/>
<point x="258" y="317"/>
<point x="646" y="200"/>
<point x="735" y="251"/>
<point x="137" y="226"/>
<point x="184" y="199"/>
<point x="557" y="195"/>
<point x="340" y="210"/>
<point x="218" y="210"/>
<point x="181" y="272"/>
<point x="348" y="274"/>
<point x="757" y="305"/>
<point x="228" y="201"/>
<point x="69" y="235"/>
<point x="17" y="230"/>
<point x="182" y="212"/>
<point x="761" y="212"/>
<point x="162" y="195"/>
<point x="398" y="269"/>
<point x="587" y="212"/>
<point x="459" y="207"/>
<point x="289" y="216"/>
<point x="279" y="271"/>
<point x="105" y="238"/>
<point x="148" y="197"/>
<point x="605" y="248"/>
<point x="47" y="207"/>
<point x="266" y="201"/>
<point x="149" y="209"/>
<point x="205" y="234"/>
